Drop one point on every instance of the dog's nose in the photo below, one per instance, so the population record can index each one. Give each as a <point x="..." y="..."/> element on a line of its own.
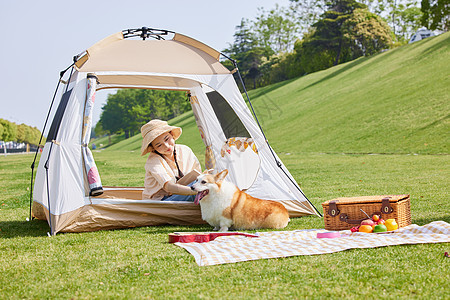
<point x="192" y="188"/>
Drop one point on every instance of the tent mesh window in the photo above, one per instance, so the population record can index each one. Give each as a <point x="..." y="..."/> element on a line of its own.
<point x="231" y="125"/>
<point x="53" y="132"/>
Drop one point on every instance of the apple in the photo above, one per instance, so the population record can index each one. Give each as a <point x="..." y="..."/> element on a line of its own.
<point x="368" y="222"/>
<point x="380" y="221"/>
<point x="380" y="228"/>
<point x="375" y="218"/>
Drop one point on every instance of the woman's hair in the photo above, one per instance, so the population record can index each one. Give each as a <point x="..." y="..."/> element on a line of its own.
<point x="180" y="173"/>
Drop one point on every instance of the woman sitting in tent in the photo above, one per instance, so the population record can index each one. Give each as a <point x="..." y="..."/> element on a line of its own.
<point x="166" y="163"/>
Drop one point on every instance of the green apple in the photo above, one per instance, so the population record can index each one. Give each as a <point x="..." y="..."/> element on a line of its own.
<point x="380" y="228"/>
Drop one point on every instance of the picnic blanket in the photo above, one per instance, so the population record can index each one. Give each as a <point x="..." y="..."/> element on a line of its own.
<point x="231" y="249"/>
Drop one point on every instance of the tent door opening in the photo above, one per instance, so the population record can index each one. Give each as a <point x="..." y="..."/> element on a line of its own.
<point x="228" y="143"/>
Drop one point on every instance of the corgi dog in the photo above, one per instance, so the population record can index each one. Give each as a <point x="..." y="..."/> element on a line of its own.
<point x="223" y="205"/>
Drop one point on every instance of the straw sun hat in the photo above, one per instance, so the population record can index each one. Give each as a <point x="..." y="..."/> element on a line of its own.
<point x="152" y="130"/>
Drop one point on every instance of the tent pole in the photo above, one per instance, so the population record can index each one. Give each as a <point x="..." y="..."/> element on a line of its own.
<point x="279" y="164"/>
<point x="50" y="151"/>
<point x="61" y="74"/>
<point x="48" y="192"/>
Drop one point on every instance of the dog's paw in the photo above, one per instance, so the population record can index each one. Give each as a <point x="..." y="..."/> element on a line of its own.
<point x="223" y="229"/>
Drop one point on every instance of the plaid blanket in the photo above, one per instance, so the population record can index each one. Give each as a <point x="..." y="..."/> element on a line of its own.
<point x="231" y="249"/>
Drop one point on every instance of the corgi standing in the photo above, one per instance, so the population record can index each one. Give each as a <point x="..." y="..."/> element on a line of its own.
<point x="223" y="205"/>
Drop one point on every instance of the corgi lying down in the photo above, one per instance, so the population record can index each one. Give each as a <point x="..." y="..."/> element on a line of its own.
<point x="223" y="205"/>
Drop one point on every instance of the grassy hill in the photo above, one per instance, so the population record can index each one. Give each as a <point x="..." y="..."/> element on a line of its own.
<point x="106" y="141"/>
<point x="393" y="102"/>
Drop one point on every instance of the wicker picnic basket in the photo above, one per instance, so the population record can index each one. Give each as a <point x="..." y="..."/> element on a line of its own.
<point x="344" y="213"/>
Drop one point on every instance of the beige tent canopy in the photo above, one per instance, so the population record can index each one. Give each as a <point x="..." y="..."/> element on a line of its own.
<point x="68" y="189"/>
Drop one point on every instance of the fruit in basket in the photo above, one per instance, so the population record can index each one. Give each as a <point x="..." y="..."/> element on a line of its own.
<point x="380" y="228"/>
<point x="375" y="218"/>
<point x="368" y="222"/>
<point x="380" y="221"/>
<point x="354" y="228"/>
<point x="391" y="224"/>
<point x="365" y="228"/>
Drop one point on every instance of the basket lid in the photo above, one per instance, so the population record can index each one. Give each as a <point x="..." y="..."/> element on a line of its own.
<point x="367" y="199"/>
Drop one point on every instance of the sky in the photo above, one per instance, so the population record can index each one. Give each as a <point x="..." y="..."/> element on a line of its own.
<point x="40" y="38"/>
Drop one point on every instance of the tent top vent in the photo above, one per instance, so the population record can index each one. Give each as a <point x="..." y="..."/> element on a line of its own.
<point x="159" y="51"/>
<point x="146" y="32"/>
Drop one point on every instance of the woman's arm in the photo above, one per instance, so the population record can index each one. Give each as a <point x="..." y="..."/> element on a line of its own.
<point x="178" y="189"/>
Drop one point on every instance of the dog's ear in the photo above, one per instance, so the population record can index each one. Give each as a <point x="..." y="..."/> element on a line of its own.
<point x="221" y="176"/>
<point x="208" y="172"/>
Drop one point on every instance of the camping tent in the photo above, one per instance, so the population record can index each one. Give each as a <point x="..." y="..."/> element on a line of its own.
<point x="68" y="185"/>
<point x="421" y="34"/>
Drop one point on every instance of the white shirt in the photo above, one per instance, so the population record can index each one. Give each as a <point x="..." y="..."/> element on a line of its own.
<point x="158" y="171"/>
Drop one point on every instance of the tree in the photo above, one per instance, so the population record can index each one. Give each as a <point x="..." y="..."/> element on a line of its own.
<point x="244" y="39"/>
<point x="111" y="116"/>
<point x="436" y="14"/>
<point x="403" y="16"/>
<point x="345" y="32"/>
<point x="409" y="19"/>
<point x="276" y="29"/>
<point x="367" y="32"/>
<point x="27" y="134"/>
<point x="247" y="53"/>
<point x="128" y="109"/>
<point x="9" y="130"/>
<point x="309" y="58"/>
<point x="328" y="35"/>
<point x="307" y="12"/>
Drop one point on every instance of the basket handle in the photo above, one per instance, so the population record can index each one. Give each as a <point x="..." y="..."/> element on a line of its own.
<point x="344" y="218"/>
<point x="386" y="209"/>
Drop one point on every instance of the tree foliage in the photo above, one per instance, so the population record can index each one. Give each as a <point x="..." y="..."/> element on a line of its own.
<point x="324" y="33"/>
<point x="366" y="32"/>
<point x="436" y="14"/>
<point x="403" y="16"/>
<point x="328" y="35"/>
<point x="10" y="131"/>
<point x="27" y="134"/>
<point x="344" y="32"/>
<point x="276" y="29"/>
<point x="257" y="44"/>
<point x="307" y="12"/>
<point x="247" y="53"/>
<point x="128" y="109"/>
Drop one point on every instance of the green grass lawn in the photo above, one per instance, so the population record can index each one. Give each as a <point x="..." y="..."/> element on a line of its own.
<point x="106" y="141"/>
<point x="139" y="263"/>
<point x="372" y="126"/>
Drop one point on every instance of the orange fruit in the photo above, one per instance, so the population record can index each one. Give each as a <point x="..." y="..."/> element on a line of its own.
<point x="365" y="228"/>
